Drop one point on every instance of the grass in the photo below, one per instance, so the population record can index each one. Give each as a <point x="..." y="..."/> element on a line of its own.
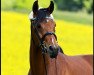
<point x="74" y="38"/>
<point x="77" y="17"/>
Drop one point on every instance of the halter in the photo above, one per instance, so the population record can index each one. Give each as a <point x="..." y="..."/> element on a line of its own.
<point x="41" y="40"/>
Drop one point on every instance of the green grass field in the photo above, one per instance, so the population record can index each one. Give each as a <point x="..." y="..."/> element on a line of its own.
<point x="74" y="38"/>
<point x="78" y="17"/>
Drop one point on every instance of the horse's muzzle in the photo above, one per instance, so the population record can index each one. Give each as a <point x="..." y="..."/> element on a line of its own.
<point x="53" y="51"/>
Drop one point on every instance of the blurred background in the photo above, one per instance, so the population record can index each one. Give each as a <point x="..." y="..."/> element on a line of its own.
<point x="74" y="30"/>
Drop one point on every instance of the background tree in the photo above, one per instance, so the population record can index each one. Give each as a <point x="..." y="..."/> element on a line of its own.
<point x="71" y="5"/>
<point x="88" y="5"/>
<point x="75" y="5"/>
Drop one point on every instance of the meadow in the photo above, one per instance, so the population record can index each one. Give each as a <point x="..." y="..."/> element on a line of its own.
<point x="74" y="38"/>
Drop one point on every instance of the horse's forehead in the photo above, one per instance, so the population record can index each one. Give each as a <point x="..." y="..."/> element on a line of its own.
<point x="31" y="15"/>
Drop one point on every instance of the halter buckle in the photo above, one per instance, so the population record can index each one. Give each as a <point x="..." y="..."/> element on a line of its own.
<point x="44" y="49"/>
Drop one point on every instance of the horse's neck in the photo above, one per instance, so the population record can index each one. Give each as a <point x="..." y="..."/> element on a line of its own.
<point x="36" y="61"/>
<point x="55" y="66"/>
<point x="39" y="67"/>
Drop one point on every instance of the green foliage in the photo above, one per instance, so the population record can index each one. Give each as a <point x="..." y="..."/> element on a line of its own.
<point x="22" y="4"/>
<point x="71" y="5"/>
<point x="88" y="4"/>
<point x="7" y="4"/>
<point x="75" y="5"/>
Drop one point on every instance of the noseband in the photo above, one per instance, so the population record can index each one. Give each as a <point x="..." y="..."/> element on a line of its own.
<point x="49" y="33"/>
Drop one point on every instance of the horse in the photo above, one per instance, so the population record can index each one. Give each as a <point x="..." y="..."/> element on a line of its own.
<point x="46" y="56"/>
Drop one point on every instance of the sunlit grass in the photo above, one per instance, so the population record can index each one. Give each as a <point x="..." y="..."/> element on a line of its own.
<point x="75" y="39"/>
<point x="78" y="17"/>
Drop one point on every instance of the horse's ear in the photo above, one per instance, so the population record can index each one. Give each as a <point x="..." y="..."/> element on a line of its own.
<point x="35" y="7"/>
<point x="51" y="7"/>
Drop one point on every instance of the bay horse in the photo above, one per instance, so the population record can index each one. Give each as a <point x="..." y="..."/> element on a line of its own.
<point x="46" y="56"/>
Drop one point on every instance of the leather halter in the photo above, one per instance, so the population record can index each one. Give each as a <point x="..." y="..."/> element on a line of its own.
<point x="41" y="45"/>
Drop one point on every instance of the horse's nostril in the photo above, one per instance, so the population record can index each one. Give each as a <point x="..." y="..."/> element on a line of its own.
<point x="53" y="51"/>
<point x="50" y="47"/>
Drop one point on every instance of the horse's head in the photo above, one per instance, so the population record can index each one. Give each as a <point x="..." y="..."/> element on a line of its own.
<point x="44" y="25"/>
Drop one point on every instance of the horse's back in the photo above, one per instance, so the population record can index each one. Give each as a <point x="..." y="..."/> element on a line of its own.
<point x="88" y="58"/>
<point x="79" y="65"/>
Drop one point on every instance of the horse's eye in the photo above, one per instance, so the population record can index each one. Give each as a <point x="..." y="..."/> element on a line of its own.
<point x="39" y="26"/>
